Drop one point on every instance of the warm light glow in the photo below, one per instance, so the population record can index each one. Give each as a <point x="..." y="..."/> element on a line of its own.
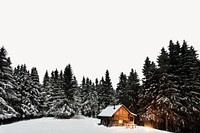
<point x="120" y="121"/>
<point x="148" y="128"/>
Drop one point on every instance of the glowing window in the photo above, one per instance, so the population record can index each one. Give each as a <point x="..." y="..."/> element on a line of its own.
<point x="120" y="121"/>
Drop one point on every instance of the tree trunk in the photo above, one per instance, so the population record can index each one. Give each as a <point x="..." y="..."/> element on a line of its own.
<point x="166" y="121"/>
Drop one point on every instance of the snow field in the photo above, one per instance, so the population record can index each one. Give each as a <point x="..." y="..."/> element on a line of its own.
<point x="52" y="125"/>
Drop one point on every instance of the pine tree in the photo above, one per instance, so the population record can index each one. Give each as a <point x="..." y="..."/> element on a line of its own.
<point x="101" y="94"/>
<point x="150" y="85"/>
<point x="64" y="89"/>
<point x="46" y="79"/>
<point x="189" y="74"/>
<point x="173" y="90"/>
<point x="89" y="99"/>
<point x="34" y="75"/>
<point x="98" y="86"/>
<point x="165" y="103"/>
<point x="106" y="91"/>
<point x="29" y="90"/>
<point x="7" y="92"/>
<point x="61" y="75"/>
<point x="163" y="61"/>
<point x="84" y="94"/>
<point x="148" y="70"/>
<point x="46" y="93"/>
<point x="121" y="86"/>
<point x="68" y="83"/>
<point x="132" y="89"/>
<point x="166" y="96"/>
<point x="94" y="102"/>
<point x="128" y="90"/>
<point x="53" y="93"/>
<point x="174" y="56"/>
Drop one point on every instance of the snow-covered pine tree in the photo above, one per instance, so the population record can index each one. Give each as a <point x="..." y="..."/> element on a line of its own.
<point x="89" y="99"/>
<point x="7" y="92"/>
<point x="52" y="92"/>
<point x="163" y="61"/>
<point x="45" y="94"/>
<point x="109" y="100"/>
<point x="106" y="92"/>
<point x="94" y="101"/>
<point x="190" y="86"/>
<point x="100" y="92"/>
<point x="149" y="87"/>
<point x="34" y="75"/>
<point x="164" y="90"/>
<point x="149" y="83"/>
<point x="29" y="91"/>
<point x="174" y="56"/>
<point x="133" y="88"/>
<point x="98" y="85"/>
<point x="63" y="103"/>
<point x="36" y="91"/>
<point x="53" y="95"/>
<point x="46" y="79"/>
<point x="68" y="83"/>
<point x="174" y="90"/>
<point x="128" y="89"/>
<point x="120" y="90"/>
<point x="164" y="108"/>
<point x="85" y="89"/>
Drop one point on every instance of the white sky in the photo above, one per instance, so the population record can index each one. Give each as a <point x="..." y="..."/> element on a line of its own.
<point x="94" y="35"/>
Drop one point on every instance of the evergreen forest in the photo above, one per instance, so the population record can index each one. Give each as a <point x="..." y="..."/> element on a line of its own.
<point x="167" y="98"/>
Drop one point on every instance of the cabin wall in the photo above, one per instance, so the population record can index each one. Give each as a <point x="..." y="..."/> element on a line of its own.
<point x="121" y="117"/>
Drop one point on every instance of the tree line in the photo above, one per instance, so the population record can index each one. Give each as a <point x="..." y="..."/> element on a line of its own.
<point x="168" y="97"/>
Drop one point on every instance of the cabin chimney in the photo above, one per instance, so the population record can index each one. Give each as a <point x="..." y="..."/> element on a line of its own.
<point x="114" y="106"/>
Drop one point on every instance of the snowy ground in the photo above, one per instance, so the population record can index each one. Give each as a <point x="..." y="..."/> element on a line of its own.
<point x="51" y="125"/>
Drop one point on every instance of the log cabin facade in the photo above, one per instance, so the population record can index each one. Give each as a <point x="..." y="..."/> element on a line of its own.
<point x="117" y="116"/>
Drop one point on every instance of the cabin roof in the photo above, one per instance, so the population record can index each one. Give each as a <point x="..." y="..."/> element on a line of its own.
<point x="110" y="111"/>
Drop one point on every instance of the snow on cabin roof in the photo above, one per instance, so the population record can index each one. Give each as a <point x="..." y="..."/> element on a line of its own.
<point x="110" y="110"/>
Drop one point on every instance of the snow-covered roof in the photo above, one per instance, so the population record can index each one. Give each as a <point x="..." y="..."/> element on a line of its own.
<point x="110" y="110"/>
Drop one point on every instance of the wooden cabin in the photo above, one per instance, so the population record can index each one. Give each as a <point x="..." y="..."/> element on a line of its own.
<point x="117" y="115"/>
